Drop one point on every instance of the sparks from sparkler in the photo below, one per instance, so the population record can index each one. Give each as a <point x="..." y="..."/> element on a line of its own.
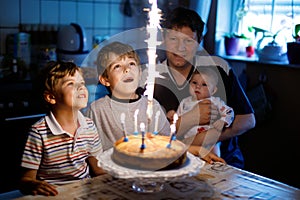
<point x="152" y="30"/>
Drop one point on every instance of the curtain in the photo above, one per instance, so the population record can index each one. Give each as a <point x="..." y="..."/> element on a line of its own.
<point x="234" y="21"/>
<point x="202" y="7"/>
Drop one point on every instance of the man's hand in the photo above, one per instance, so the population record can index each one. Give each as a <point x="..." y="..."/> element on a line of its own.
<point x="205" y="154"/>
<point x="201" y="114"/>
<point x="219" y="125"/>
<point x="207" y="112"/>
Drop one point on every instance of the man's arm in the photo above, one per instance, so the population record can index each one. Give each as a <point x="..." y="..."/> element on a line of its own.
<point x="240" y="125"/>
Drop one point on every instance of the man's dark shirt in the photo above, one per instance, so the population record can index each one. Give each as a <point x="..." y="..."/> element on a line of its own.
<point x="169" y="95"/>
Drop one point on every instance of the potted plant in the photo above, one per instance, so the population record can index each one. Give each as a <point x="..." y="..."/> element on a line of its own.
<point x="250" y="49"/>
<point x="232" y="40"/>
<point x="232" y="43"/>
<point x="272" y="49"/>
<point x="293" y="48"/>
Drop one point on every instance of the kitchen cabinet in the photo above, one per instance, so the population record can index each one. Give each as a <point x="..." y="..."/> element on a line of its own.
<point x="19" y="106"/>
<point x="275" y="140"/>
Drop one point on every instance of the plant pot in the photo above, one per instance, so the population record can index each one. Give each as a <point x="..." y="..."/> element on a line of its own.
<point x="250" y="51"/>
<point x="231" y="46"/>
<point x="293" y="49"/>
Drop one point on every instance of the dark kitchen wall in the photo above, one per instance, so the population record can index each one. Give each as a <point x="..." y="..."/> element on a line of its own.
<point x="98" y="17"/>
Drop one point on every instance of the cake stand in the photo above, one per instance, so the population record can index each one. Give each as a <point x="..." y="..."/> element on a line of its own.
<point x="145" y="181"/>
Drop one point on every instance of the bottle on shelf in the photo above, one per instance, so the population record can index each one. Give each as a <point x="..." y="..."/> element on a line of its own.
<point x="14" y="67"/>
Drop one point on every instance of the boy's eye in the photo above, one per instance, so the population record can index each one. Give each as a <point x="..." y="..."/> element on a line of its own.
<point x="116" y="66"/>
<point x="132" y="64"/>
<point x="194" y="82"/>
<point x="70" y="83"/>
<point x="82" y="83"/>
<point x="204" y="84"/>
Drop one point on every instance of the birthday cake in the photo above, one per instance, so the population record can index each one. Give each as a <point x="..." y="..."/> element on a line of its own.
<point x="156" y="152"/>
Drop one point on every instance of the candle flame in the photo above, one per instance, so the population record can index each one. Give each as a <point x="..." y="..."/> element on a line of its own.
<point x="175" y="118"/>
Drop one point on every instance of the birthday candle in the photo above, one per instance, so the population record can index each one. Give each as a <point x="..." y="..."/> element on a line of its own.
<point x="175" y="118"/>
<point x="173" y="135"/>
<point x="142" y="127"/>
<point x="135" y="122"/>
<point x="156" y="122"/>
<point x="123" y="126"/>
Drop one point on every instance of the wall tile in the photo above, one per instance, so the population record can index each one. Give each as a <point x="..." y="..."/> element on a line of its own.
<point x="116" y="16"/>
<point x="30" y="12"/>
<point x="50" y="12"/>
<point x="85" y="14"/>
<point x="98" y="17"/>
<point x="115" y="32"/>
<point x="101" y="16"/>
<point x="9" y="13"/>
<point x="67" y="12"/>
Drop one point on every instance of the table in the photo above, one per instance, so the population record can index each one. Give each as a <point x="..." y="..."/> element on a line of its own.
<point x="216" y="181"/>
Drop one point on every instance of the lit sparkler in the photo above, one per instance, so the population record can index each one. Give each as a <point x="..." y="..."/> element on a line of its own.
<point x="152" y="30"/>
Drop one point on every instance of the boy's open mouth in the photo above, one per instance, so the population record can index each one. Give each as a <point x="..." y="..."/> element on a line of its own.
<point x="128" y="80"/>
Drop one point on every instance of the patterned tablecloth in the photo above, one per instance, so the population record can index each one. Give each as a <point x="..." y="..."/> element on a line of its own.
<point x="217" y="181"/>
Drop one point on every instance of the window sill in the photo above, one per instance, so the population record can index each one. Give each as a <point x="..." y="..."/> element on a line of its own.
<point x="255" y="59"/>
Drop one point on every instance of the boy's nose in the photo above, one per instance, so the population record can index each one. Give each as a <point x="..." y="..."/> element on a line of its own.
<point x="127" y="69"/>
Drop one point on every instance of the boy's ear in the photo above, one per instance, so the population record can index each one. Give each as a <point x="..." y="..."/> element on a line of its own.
<point x="50" y="98"/>
<point x="104" y="81"/>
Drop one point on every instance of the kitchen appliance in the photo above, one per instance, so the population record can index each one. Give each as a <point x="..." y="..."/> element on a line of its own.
<point x="72" y="43"/>
<point x="272" y="52"/>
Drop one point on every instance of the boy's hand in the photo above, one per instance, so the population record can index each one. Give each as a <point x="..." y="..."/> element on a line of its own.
<point x="36" y="187"/>
<point x="29" y="184"/>
<point x="170" y="115"/>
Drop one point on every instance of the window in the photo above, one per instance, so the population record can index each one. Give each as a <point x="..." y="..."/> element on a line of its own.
<point x="277" y="17"/>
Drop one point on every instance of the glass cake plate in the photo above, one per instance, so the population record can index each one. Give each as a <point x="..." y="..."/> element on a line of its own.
<point x="150" y="181"/>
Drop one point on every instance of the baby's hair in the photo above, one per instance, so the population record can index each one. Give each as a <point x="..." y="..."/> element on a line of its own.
<point x="119" y="49"/>
<point x="209" y="72"/>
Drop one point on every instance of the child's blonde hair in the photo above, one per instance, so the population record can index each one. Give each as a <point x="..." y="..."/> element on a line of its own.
<point x="119" y="49"/>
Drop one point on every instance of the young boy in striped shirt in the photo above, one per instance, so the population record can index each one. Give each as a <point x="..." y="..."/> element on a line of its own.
<point x="61" y="147"/>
